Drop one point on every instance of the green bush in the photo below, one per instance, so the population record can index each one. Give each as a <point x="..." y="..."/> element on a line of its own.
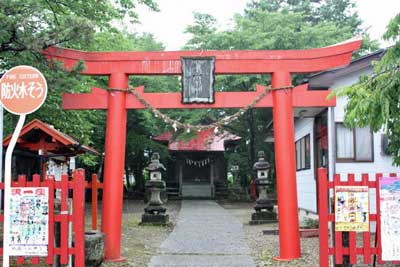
<point x="310" y="223"/>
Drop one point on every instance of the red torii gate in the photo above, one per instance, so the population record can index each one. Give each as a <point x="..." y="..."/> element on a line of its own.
<point x="279" y="63"/>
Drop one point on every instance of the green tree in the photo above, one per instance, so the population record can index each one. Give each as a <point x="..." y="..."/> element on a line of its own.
<point x="266" y="24"/>
<point x="26" y="27"/>
<point x="374" y="100"/>
<point x="36" y="24"/>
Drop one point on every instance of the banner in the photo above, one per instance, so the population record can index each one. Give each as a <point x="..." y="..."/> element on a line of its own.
<point x="351" y="208"/>
<point x="29" y="221"/>
<point x="390" y="218"/>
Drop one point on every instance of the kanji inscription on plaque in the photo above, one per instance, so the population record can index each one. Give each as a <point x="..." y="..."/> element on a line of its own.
<point x="198" y="80"/>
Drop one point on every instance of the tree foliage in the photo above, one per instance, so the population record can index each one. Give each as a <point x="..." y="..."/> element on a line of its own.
<point x="36" y="24"/>
<point x="375" y="100"/>
<point x="268" y="25"/>
<point x="28" y="26"/>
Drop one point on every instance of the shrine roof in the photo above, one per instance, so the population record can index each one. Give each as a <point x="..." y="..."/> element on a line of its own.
<point x="37" y="135"/>
<point x="205" y="140"/>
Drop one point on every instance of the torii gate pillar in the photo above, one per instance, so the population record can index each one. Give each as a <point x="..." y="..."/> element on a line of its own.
<point x="114" y="166"/>
<point x="285" y="167"/>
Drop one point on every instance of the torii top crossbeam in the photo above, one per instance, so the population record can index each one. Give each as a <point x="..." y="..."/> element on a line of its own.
<point x="280" y="64"/>
<point x="226" y="61"/>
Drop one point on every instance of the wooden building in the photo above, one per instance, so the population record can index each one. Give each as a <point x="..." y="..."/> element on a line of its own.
<point x="198" y="168"/>
<point x="42" y="149"/>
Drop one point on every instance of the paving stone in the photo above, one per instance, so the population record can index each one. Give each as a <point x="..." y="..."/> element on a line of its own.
<point x="201" y="261"/>
<point x="205" y="235"/>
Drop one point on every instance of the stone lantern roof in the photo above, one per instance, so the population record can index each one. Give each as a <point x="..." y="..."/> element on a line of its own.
<point x="261" y="164"/>
<point x="155" y="164"/>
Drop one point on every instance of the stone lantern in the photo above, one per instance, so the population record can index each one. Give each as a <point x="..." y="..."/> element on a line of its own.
<point x="155" y="213"/>
<point x="264" y="208"/>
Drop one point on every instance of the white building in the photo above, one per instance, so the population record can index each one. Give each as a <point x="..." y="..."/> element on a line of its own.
<point x="322" y="141"/>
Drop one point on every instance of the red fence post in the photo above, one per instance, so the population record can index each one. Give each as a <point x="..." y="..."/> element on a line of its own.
<point x="323" y="217"/>
<point x="351" y="241"/>
<point x="79" y="216"/>
<point x="94" y="201"/>
<point x="64" y="217"/>
<point x="338" y="240"/>
<point x="366" y="235"/>
<point x="50" y="248"/>
<point x="378" y="220"/>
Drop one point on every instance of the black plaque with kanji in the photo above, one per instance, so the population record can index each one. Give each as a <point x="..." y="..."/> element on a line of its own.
<point x="198" y="80"/>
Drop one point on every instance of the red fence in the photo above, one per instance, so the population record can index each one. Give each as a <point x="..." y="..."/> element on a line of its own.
<point x="94" y="185"/>
<point x="325" y="218"/>
<point x="77" y="185"/>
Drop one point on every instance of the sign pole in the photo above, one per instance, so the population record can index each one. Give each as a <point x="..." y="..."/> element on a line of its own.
<point x="1" y="149"/>
<point x="7" y="188"/>
<point x="23" y="91"/>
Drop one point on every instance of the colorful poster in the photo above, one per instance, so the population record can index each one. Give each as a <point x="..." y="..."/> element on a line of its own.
<point x="29" y="220"/>
<point x="390" y="218"/>
<point x="351" y="208"/>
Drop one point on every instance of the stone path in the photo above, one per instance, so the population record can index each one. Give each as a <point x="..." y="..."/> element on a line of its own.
<point x="206" y="235"/>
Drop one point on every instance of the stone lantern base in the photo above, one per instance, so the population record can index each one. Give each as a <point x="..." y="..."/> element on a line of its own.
<point x="155" y="215"/>
<point x="264" y="214"/>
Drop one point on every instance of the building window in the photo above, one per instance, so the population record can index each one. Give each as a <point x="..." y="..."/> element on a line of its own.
<point x="354" y="145"/>
<point x="303" y="153"/>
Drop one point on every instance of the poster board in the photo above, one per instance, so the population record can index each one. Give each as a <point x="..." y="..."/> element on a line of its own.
<point x="29" y="221"/>
<point x="389" y="202"/>
<point x="352" y="208"/>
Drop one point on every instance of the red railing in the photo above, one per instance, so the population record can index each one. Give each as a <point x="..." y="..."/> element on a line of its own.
<point x="77" y="185"/>
<point x="326" y="218"/>
<point x="94" y="185"/>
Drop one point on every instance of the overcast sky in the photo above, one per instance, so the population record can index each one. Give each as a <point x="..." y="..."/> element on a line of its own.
<point x="168" y="25"/>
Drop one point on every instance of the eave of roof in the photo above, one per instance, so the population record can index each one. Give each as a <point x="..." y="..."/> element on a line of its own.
<point x="57" y="135"/>
<point x="205" y="140"/>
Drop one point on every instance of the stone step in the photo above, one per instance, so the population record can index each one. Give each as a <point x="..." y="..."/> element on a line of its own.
<point x="196" y="190"/>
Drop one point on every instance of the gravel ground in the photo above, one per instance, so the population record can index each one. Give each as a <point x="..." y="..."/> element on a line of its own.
<point x="265" y="247"/>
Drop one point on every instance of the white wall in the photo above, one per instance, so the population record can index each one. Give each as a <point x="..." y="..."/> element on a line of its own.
<point x="382" y="163"/>
<point x="306" y="184"/>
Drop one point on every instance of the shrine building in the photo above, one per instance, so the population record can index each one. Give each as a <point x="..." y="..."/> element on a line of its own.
<point x="44" y="150"/>
<point x="198" y="167"/>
